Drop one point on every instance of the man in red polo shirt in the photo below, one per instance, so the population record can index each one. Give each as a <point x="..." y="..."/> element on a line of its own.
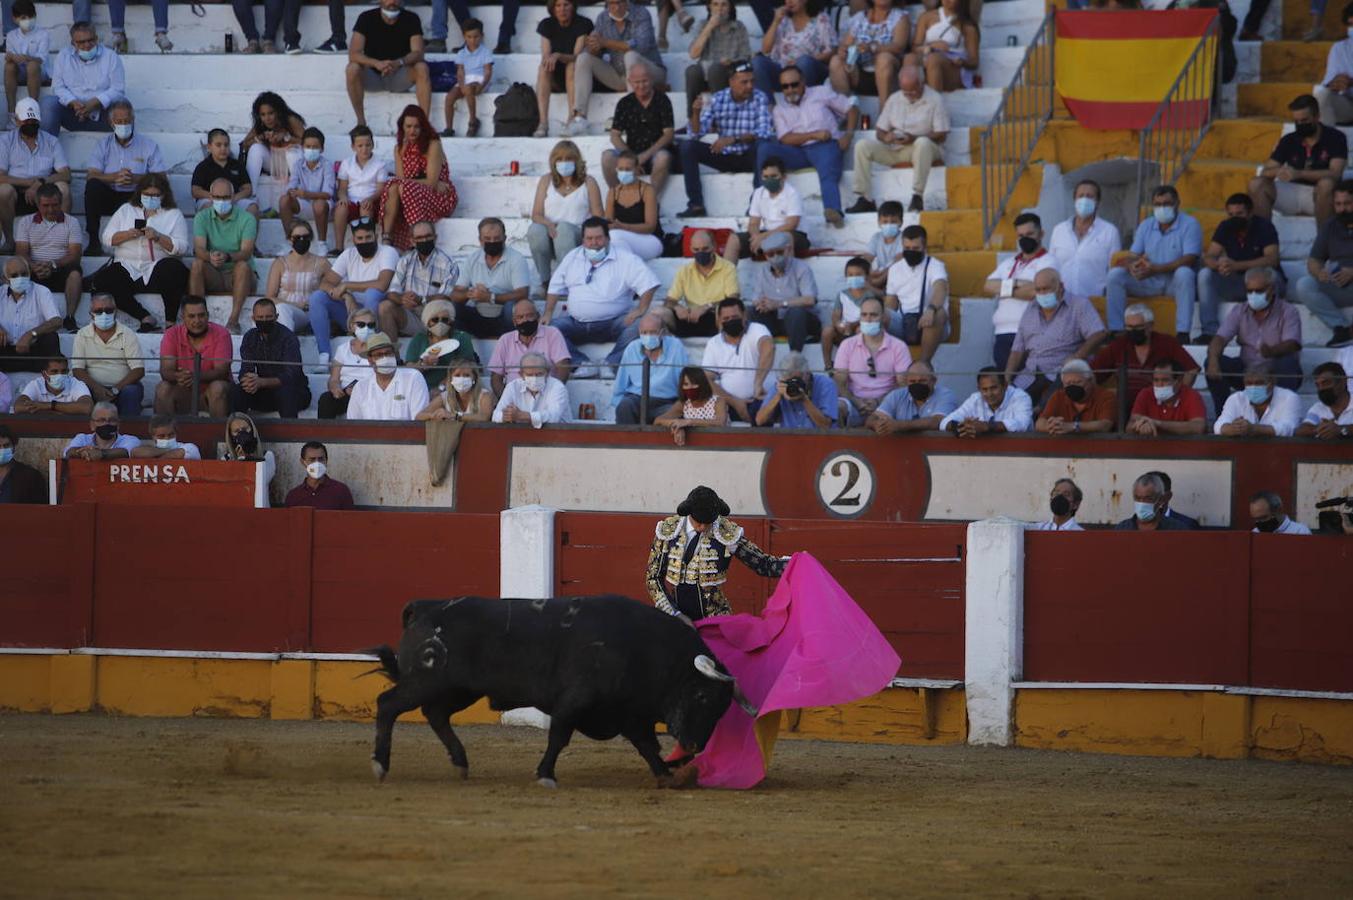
<point x="1140" y="348"/>
<point x="1168" y="406"/>
<point x="178" y="348"/>
<point x="318" y="489"/>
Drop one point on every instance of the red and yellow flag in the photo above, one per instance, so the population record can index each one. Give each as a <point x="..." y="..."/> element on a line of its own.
<point x="1114" y="68"/>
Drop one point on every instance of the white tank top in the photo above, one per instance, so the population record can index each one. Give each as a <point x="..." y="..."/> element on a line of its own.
<point x="948" y="30"/>
<point x="571" y="208"/>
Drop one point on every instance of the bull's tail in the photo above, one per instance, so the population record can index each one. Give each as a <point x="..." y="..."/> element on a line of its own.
<point x="389" y="666"/>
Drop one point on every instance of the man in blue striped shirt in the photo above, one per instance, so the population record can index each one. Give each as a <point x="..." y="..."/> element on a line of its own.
<point x="740" y="116"/>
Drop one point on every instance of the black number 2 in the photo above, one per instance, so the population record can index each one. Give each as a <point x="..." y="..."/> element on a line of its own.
<point x="854" y="469"/>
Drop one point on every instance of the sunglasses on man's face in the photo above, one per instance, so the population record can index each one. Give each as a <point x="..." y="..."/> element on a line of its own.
<point x="789" y="85"/>
<point x="442" y="319"/>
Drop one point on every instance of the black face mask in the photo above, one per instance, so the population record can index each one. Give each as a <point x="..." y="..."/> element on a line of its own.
<point x="920" y="391"/>
<point x="1060" y="505"/>
<point x="1028" y="245"/>
<point x="1327" y="396"/>
<point x="29" y="128"/>
<point x="1268" y="526"/>
<point x="1240" y="223"/>
<point x="494" y="248"/>
<point x="367" y="250"/>
<point x="107" y="432"/>
<point x="1305" y="129"/>
<point x="527" y="329"/>
<point x="246" y="441"/>
<point x="1138" y="336"/>
<point x="1345" y="218"/>
<point x="704" y="257"/>
<point x="266" y="328"/>
<point x="425" y="248"/>
<point x="1075" y="393"/>
<point x="301" y="245"/>
<point x="732" y="328"/>
<point x="913" y="258"/>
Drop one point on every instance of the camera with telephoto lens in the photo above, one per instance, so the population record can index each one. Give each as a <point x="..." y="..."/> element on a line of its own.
<point x="1332" y="511"/>
<point x="795" y="387"/>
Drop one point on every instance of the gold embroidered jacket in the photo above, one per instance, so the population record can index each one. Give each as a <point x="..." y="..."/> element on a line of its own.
<point x="696" y="587"/>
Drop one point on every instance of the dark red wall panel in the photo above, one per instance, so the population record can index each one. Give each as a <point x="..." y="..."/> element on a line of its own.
<point x="1301" y="606"/>
<point x="45" y="589"/>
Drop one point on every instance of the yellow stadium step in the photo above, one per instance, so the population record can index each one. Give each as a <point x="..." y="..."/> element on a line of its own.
<point x="1297" y="19"/>
<point x="1161" y="307"/>
<point x="963" y="187"/>
<point x="1269" y="98"/>
<point x="968" y="270"/>
<point x="961" y="229"/>
<point x="1240" y="139"/>
<point x="1208" y="220"/>
<point x="1071" y="146"/>
<point x="1208" y="182"/>
<point x="1293" y="60"/>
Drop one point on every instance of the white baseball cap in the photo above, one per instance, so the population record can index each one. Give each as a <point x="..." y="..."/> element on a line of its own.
<point x="26" y="109"/>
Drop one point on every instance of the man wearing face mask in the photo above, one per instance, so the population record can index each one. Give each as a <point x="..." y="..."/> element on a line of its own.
<point x="1167" y="405"/>
<point x="385" y="53"/>
<point x="813" y="128"/>
<point x="19" y="483"/>
<point x="738" y="359"/>
<point x="1327" y="288"/>
<point x="317" y="490"/>
<point x="1064" y="502"/>
<point x="1084" y="244"/>
<point x="918" y="292"/>
<point x="1268" y="330"/>
<point x="424" y="273"/>
<point x="1148" y="508"/>
<point x="57" y="392"/>
<point x="919" y="405"/>
<point x="1012" y="283"/>
<point x="86" y="78"/>
<point x="1165" y="250"/>
<point x="1330" y="418"/>
<point x="1266" y="509"/>
<point x="1055" y="328"/>
<point x="1241" y="242"/>
<point x="29" y="158"/>
<point x="164" y="442"/>
<point x="776" y="207"/>
<point x="1079" y="406"/>
<point x="360" y="276"/>
<point x="103" y="440"/>
<point x="698" y="289"/>
<point x="223" y="251"/>
<point x="107" y="358"/>
<point x="785" y="293"/>
<point x="1262" y="409"/>
<point x="270" y="378"/>
<point x="1138" y="350"/>
<point x="393" y="393"/>
<point x="869" y="365"/>
<point x="29" y="321"/>
<point x="1303" y="168"/>
<point x="527" y="336"/>
<point x="116" y="167"/>
<point x="489" y="284"/>
<point x="666" y="356"/>
<point x="535" y="398"/>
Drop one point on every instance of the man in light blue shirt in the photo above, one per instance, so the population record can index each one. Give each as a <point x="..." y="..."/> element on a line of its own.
<point x="799" y="398"/>
<point x="1164" y="256"/>
<point x="117" y="164"/>
<point x="86" y="78"/>
<point x="994" y="408"/>
<point x="668" y="357"/>
<point x="919" y="405"/>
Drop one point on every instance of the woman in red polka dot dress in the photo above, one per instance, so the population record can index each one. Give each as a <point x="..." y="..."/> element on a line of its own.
<point x="414" y="196"/>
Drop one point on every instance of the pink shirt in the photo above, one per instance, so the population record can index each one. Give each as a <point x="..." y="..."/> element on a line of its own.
<point x="507" y="353"/>
<point x="820" y="109"/>
<point x="890" y="362"/>
<point x="215" y="348"/>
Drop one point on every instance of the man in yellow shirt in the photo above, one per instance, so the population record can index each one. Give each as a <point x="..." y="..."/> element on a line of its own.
<point x="108" y="358"/>
<point x="697" y="290"/>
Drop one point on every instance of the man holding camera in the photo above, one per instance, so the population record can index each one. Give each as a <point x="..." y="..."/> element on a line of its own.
<point x="800" y="398"/>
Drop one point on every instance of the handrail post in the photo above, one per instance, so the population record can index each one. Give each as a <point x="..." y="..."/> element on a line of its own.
<point x="197" y="382"/>
<point x="643" y="389"/>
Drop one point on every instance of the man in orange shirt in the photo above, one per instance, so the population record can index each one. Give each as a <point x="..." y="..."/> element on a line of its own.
<point x="1079" y="406"/>
<point x="178" y="348"/>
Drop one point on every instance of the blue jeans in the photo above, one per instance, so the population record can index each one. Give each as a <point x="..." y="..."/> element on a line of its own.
<point x="825" y="156"/>
<point x="55" y="117"/>
<point x="129" y="399"/>
<point x="6" y="7"/>
<point x="117" y="12"/>
<point x="1181" y="284"/>
<point x="766" y="73"/>
<point x="597" y="332"/>
<point x="437" y="28"/>
<point x="325" y="309"/>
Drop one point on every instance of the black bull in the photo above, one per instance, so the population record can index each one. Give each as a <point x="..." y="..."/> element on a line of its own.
<point x="602" y="665"/>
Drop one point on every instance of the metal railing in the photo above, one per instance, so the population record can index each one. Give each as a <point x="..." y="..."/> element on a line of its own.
<point x="1181" y="120"/>
<point x="1008" y="142"/>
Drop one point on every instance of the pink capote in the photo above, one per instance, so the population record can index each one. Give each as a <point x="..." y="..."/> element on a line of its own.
<point x="813" y="646"/>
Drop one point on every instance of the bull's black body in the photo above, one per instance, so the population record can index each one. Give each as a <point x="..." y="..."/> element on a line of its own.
<point x="604" y="665"/>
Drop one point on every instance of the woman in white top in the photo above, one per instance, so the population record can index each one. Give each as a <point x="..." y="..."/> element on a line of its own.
<point x="565" y="198"/>
<point x="947" y="44"/>
<point x="295" y="276"/>
<point x="462" y="398"/>
<point x="879" y="36"/>
<point x="147" y="234"/>
<point x="349" y="364"/>
<point x="632" y="207"/>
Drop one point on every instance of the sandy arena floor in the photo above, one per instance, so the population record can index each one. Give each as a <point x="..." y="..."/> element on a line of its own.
<point x="154" y="807"/>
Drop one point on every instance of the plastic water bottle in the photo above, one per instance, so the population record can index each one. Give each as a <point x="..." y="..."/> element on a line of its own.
<point x="852" y="54"/>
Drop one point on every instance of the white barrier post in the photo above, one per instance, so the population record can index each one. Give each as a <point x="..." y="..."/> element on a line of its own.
<point x="994" y="627"/>
<point x="526" y="571"/>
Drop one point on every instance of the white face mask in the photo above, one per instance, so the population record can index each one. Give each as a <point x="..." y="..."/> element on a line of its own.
<point x="316" y="470"/>
<point x="26" y="25"/>
<point x="104" y="320"/>
<point x="362" y="331"/>
<point x="386" y="365"/>
<point x="534" y="383"/>
<point x="58" y="382"/>
<point x="441" y="329"/>
<point x="461" y="383"/>
<point x="1163" y="393"/>
<point x="166" y="444"/>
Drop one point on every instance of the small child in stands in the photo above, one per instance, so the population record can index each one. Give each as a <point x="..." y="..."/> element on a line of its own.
<point x="885" y="248"/>
<point x="846" y="311"/>
<point x="314" y="181"/>
<point x="360" y="179"/>
<point x="474" y="71"/>
<point x="26" y="51"/>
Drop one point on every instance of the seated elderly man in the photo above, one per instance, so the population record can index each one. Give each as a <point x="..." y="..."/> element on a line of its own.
<point x="103" y="440"/>
<point x="29" y="321"/>
<point x="1079" y="406"/>
<point x="86" y="78"/>
<point x="107" y="358"/>
<point x="813" y="129"/>
<point x="1055" y="328"/>
<point x="223" y="251"/>
<point x="784" y="293"/>
<point x="738" y="359"/>
<point x="527" y="336"/>
<point x="1149" y="503"/>
<point x="1303" y="168"/>
<point x="1242" y="241"/>
<point x="666" y="356"/>
<point x="698" y="289"/>
<point x="118" y="163"/>
<point x="179" y="347"/>
<point x="869" y="365"/>
<point x="599" y="282"/>
<point x="1262" y="409"/>
<point x="1266" y="510"/>
<point x="317" y="489"/>
<point x="29" y="159"/>
<point x="1331" y="415"/>
<point x="535" y="398"/>
<point x="800" y="398"/>
<point x="1268" y="330"/>
<point x="911" y="127"/>
<point x="643" y="124"/>
<point x="623" y="38"/>
<point x="56" y="392"/>
<point x="1065" y="501"/>
<point x="919" y="405"/>
<point x="1168" y="405"/>
<point x="424" y="273"/>
<point x="393" y="393"/>
<point x="1170" y="511"/>
<point x="50" y="242"/>
<point x="164" y="442"/>
<point x="996" y="407"/>
<point x="19" y="482"/>
<point x="490" y="283"/>
<point x="270" y="377"/>
<point x="1164" y="251"/>
<point x="1138" y="350"/>
<point x="1327" y="287"/>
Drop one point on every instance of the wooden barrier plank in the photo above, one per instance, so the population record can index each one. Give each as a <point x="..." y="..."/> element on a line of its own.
<point x="1301" y="617"/>
<point x="45" y="592"/>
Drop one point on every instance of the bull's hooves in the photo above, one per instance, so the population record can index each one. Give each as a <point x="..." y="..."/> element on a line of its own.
<point x="685" y="777"/>
<point x="462" y="772"/>
<point x="378" y="770"/>
<point x="663" y="782"/>
<point x="547" y="783"/>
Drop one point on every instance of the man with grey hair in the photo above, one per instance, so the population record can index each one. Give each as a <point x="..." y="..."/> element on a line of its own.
<point x="1266" y="509"/>
<point x="1139" y="350"/>
<point x="910" y="129"/>
<point x="537" y="397"/>
<point x="1262" y="409"/>
<point x="1148" y="507"/>
<point x="86" y="78"/>
<point x="115" y="167"/>
<point x="1056" y="327"/>
<point x="1268" y="330"/>
<point x="1079" y="406"/>
<point x="102" y="440"/>
<point x="799" y="398"/>
<point x="644" y="124"/>
<point x="918" y="405"/>
<point x="666" y="356"/>
<point x="1064" y="503"/>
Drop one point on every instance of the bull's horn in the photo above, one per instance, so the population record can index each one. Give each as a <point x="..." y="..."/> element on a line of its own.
<point x="710" y="669"/>
<point x="742" y="701"/>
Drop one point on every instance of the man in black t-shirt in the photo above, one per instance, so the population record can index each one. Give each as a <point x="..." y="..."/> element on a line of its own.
<point x="643" y="123"/>
<point x="1243" y="241"/>
<point x="563" y="31"/>
<point x="386" y="54"/>
<point x="1303" y="168"/>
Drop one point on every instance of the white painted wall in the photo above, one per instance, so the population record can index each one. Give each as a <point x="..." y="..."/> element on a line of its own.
<point x="526" y="570"/>
<point x="994" y="628"/>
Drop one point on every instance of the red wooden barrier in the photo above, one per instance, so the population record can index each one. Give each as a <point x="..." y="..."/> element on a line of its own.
<point x="153" y="482"/>
<point x="48" y="554"/>
<point x="1301" y="612"/>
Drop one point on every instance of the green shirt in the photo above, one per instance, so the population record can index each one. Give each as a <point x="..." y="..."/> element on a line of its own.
<point x="435" y="375"/>
<point x="226" y="235"/>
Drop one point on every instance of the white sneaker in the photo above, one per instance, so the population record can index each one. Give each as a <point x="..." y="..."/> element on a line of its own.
<point x="577" y="127"/>
<point x="320" y="248"/>
<point x="586" y="370"/>
<point x="321" y="366"/>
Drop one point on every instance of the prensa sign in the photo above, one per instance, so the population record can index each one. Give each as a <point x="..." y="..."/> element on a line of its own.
<point x="148" y="473"/>
<point x="154" y="482"/>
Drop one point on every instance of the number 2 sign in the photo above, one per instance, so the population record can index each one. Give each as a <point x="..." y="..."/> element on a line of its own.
<point x="845" y="485"/>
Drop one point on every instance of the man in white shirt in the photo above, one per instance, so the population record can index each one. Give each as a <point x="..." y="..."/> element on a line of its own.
<point x="1083" y="245"/>
<point x="535" y="398"/>
<point x="492" y="279"/>
<point x="738" y="358"/>
<point x="1012" y="284"/>
<point x="103" y="440"/>
<point x="776" y="206"/>
<point x="1334" y="93"/>
<point x="164" y="442"/>
<point x="918" y="292"/>
<point x="911" y="127"/>
<point x="1266" y="509"/>
<point x="598" y="283"/>
<point x="393" y="393"/>
<point x="1330" y="417"/>
<point x="1064" y="503"/>
<point x="995" y="408"/>
<point x="29" y="321"/>
<point x="1261" y="409"/>
<point x="55" y="392"/>
<point x="360" y="277"/>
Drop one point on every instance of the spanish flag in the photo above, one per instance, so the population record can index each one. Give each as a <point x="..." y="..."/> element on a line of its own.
<point x="1113" y="68"/>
